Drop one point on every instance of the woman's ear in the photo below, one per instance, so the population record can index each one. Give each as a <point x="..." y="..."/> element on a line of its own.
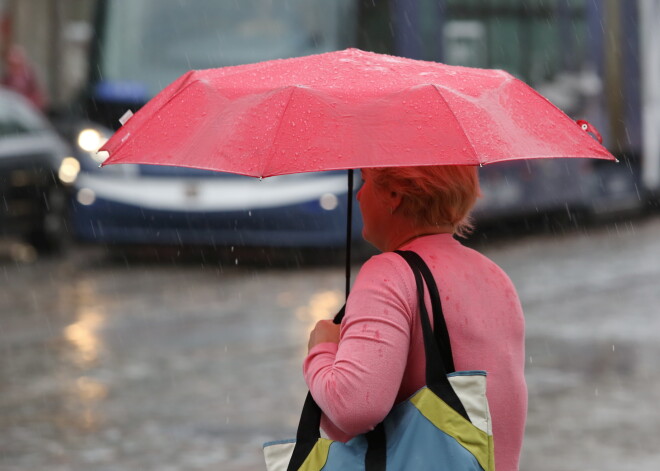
<point x="395" y="200"/>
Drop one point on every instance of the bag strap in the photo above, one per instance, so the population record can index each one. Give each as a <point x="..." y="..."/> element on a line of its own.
<point x="440" y="330"/>
<point x="439" y="325"/>
<point x="309" y="431"/>
<point x="439" y="362"/>
<point x="309" y="426"/>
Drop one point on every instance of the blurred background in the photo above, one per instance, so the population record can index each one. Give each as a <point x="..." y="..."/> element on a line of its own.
<point x="157" y="317"/>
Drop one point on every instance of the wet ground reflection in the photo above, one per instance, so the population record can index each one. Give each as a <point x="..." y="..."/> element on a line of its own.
<point x="115" y="364"/>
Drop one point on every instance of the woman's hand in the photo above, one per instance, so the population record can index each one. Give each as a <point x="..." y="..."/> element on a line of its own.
<point x="324" y="331"/>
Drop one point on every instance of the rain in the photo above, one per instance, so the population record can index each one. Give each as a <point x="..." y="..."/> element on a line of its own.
<point x="157" y="317"/>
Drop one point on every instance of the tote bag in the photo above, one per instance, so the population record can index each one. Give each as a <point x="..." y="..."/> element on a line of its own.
<point x="443" y="426"/>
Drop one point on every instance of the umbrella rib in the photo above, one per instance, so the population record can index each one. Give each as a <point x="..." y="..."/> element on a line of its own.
<point x="474" y="151"/>
<point x="292" y="89"/>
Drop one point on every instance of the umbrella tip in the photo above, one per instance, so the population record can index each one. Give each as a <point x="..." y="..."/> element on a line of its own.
<point x="125" y="117"/>
<point x="586" y="126"/>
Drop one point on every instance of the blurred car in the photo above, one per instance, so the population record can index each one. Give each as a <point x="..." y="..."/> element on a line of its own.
<point x="35" y="165"/>
<point x="156" y="205"/>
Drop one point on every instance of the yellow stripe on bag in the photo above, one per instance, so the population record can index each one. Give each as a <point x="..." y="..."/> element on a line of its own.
<point x="476" y="441"/>
<point x="317" y="458"/>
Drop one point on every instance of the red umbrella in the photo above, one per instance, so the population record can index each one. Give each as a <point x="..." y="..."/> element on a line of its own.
<point x="344" y="110"/>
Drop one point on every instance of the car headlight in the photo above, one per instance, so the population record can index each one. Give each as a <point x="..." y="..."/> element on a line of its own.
<point x="69" y="170"/>
<point x="90" y="140"/>
<point x="328" y="201"/>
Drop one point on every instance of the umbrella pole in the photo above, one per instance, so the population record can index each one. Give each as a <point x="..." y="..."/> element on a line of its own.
<point x="349" y="221"/>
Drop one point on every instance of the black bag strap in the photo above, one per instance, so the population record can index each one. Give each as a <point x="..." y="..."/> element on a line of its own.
<point x="437" y="366"/>
<point x="439" y="325"/>
<point x="439" y="362"/>
<point x="440" y="330"/>
<point x="309" y="431"/>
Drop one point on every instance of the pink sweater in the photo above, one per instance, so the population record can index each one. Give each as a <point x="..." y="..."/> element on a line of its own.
<point x="379" y="360"/>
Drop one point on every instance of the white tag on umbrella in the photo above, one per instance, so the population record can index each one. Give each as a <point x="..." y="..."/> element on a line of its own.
<point x="125" y="117"/>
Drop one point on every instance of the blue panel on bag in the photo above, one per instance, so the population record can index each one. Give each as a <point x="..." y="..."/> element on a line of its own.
<point x="407" y="429"/>
<point x="347" y="456"/>
<point x="413" y="442"/>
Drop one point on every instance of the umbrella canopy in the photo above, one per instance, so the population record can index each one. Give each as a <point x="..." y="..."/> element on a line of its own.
<point x="343" y="110"/>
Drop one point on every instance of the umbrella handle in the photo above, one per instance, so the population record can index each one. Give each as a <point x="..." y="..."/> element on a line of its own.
<point x="340" y="315"/>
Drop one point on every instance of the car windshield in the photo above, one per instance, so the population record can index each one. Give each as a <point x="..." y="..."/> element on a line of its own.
<point x="147" y="44"/>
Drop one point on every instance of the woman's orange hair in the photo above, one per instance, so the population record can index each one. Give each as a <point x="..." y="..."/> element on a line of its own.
<point x="434" y="195"/>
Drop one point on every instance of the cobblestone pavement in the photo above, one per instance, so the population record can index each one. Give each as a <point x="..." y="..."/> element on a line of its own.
<point x="116" y="364"/>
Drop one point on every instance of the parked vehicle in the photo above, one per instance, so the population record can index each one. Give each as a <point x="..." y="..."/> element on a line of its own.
<point x="35" y="168"/>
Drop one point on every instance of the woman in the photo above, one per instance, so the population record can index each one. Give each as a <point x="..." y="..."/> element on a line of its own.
<point x="359" y="371"/>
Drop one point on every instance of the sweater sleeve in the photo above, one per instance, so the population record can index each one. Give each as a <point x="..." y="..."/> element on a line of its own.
<point x="356" y="382"/>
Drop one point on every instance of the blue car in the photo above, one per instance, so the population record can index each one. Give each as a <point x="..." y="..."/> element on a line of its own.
<point x="140" y="46"/>
<point x="173" y="206"/>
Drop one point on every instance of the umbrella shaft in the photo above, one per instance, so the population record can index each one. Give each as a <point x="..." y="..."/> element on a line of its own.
<point x="349" y="220"/>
